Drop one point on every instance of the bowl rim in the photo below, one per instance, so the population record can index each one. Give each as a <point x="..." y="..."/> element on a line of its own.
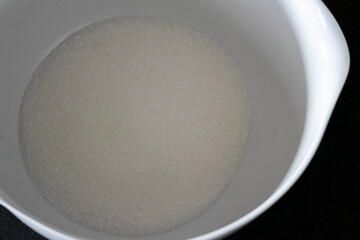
<point x="334" y="68"/>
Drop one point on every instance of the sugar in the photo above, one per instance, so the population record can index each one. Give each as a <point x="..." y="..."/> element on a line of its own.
<point x="134" y="126"/>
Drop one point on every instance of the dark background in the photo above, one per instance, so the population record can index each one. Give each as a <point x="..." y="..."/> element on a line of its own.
<point x="325" y="202"/>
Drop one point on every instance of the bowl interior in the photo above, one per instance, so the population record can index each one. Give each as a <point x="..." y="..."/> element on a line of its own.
<point x="255" y="33"/>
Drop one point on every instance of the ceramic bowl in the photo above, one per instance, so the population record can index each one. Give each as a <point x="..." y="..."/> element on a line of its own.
<point x="292" y="55"/>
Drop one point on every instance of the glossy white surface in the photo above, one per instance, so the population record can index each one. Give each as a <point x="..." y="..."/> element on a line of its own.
<point x="291" y="53"/>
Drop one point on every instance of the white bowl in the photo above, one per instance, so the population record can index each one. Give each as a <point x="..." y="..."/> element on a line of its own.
<point x="292" y="55"/>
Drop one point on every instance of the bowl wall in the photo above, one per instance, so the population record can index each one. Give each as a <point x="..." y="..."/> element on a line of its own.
<point x="257" y="36"/>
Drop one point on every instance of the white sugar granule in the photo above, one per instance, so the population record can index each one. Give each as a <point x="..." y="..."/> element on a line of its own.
<point x="133" y="126"/>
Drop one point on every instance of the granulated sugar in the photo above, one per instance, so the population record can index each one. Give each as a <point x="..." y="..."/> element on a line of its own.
<point x="133" y="126"/>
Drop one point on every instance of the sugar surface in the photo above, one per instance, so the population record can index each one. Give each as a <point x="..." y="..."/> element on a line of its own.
<point x="133" y="126"/>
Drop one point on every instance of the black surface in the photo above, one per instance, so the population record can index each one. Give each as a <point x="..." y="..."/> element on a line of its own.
<point x="325" y="202"/>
